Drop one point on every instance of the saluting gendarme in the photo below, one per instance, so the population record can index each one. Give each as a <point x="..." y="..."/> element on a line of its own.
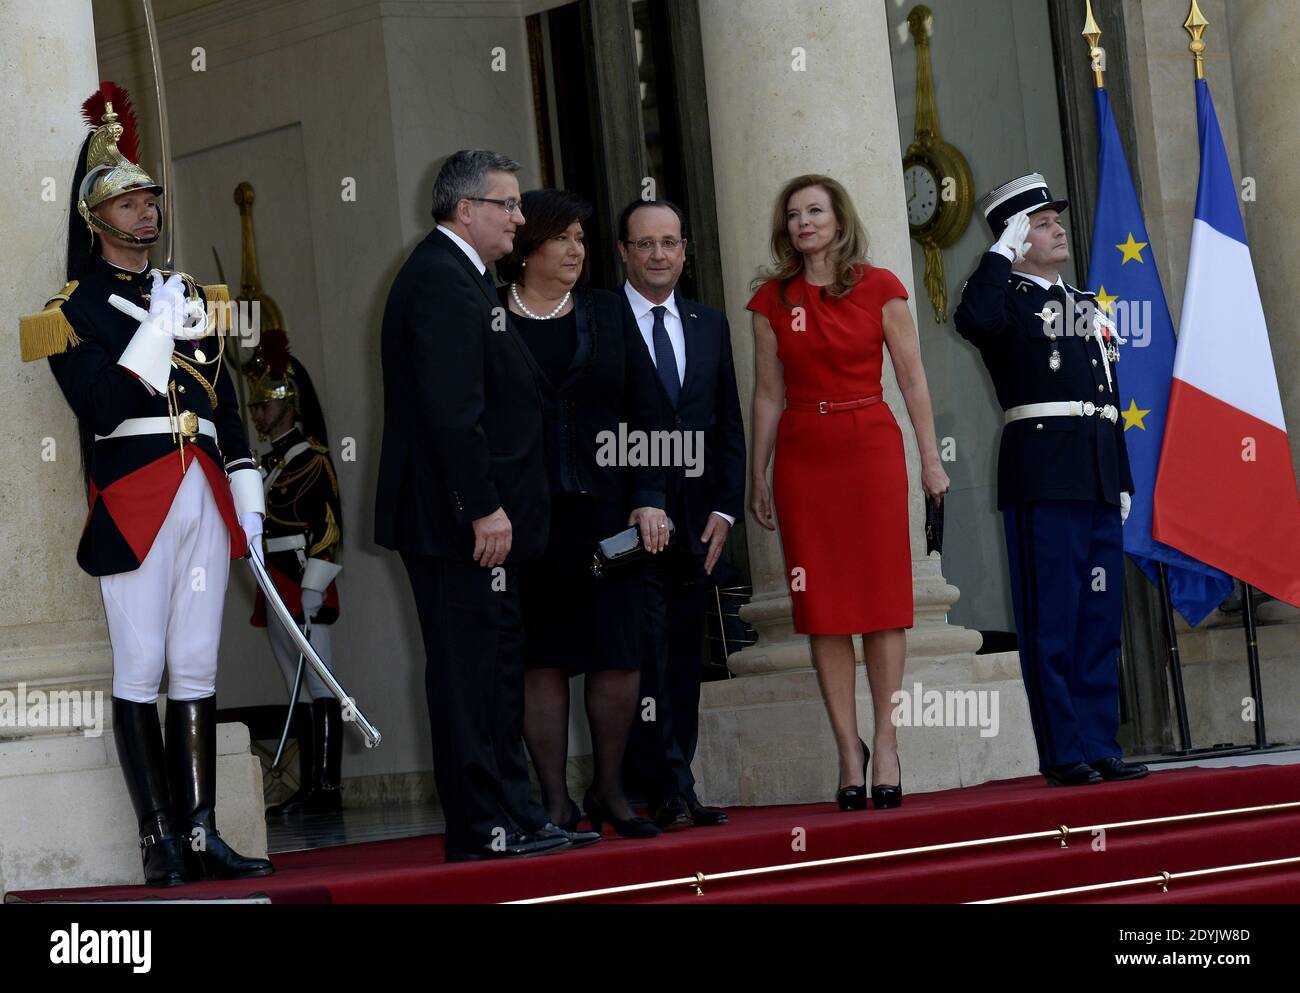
<point x="1063" y="480"/>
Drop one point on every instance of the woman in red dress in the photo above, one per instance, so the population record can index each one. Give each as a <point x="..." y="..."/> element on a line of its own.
<point x="822" y="317"/>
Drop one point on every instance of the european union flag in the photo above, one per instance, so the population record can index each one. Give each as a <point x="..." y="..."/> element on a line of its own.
<point x="1123" y="274"/>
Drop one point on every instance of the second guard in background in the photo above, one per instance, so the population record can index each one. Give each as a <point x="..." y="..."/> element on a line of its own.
<point x="1063" y="477"/>
<point x="303" y="526"/>
<point x="301" y="539"/>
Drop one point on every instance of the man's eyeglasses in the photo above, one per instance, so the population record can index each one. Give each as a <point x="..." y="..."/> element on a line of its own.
<point x="510" y="206"/>
<point x="647" y="245"/>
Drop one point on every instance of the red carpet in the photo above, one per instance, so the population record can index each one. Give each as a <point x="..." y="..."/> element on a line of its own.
<point x="412" y="871"/>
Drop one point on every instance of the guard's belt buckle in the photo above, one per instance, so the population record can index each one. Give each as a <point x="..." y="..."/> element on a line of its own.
<point x="821" y="407"/>
<point x="1089" y="408"/>
<point x="189" y="424"/>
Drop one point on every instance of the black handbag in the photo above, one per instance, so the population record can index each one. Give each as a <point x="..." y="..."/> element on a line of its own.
<point x="933" y="526"/>
<point x="623" y="552"/>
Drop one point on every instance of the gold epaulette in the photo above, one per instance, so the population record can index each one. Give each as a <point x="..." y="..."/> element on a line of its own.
<point x="219" y="293"/>
<point x="48" y="333"/>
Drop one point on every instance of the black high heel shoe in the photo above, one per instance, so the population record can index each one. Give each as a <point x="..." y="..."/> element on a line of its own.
<point x="632" y="827"/>
<point x="889" y="796"/>
<point x="570" y="823"/>
<point x="855" y="797"/>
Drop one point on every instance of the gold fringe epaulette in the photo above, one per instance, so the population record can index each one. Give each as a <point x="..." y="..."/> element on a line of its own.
<point x="219" y="293"/>
<point x="48" y="333"/>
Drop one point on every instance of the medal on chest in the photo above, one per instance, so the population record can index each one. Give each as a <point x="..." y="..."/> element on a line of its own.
<point x="1049" y="318"/>
<point x="1108" y="334"/>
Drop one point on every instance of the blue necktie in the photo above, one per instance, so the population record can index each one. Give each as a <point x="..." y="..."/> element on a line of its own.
<point x="665" y="360"/>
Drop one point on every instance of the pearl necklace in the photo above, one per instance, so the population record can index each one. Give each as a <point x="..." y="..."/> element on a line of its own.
<point x="514" y="292"/>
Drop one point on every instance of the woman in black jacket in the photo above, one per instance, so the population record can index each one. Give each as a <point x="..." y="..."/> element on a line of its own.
<point x="595" y="376"/>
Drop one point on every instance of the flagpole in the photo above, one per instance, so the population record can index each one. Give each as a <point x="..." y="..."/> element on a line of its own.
<point x="1195" y="26"/>
<point x="1175" y="664"/>
<point x="1252" y="657"/>
<point x="1092" y="35"/>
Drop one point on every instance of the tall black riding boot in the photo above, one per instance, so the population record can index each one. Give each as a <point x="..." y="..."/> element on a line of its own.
<point x="192" y="772"/>
<point x="296" y="804"/>
<point x="327" y="744"/>
<point x="140" y="751"/>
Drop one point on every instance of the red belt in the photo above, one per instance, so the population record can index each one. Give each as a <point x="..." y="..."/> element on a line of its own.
<point x="829" y="407"/>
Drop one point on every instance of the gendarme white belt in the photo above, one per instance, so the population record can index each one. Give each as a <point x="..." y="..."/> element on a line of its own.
<point x="158" y="425"/>
<point x="1062" y="408"/>
<point x="286" y="543"/>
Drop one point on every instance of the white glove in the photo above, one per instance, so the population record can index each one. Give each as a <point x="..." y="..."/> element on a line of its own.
<point x="252" y="524"/>
<point x="1124" y="502"/>
<point x="171" y="312"/>
<point x="311" y="601"/>
<point x="1012" y="244"/>
<point x="149" y="352"/>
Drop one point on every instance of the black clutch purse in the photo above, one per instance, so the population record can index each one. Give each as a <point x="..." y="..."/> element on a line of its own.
<point x="623" y="552"/>
<point x="933" y="526"/>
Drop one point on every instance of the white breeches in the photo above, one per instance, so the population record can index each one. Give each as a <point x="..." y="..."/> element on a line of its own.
<point x="286" y="655"/>
<point x="168" y="611"/>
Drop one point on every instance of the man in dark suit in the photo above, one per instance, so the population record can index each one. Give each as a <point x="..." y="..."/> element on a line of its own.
<point x="463" y="496"/>
<point x="1063" y="477"/>
<point x="690" y="345"/>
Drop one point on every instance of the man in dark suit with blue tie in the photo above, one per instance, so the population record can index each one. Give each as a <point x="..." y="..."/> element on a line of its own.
<point x="463" y="496"/>
<point x="690" y="345"/>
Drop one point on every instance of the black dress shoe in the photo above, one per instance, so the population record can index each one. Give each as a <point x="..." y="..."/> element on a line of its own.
<point x="855" y="797"/>
<point x="516" y="844"/>
<point x="632" y="827"/>
<point x="1115" y="769"/>
<point x="1076" y="774"/>
<point x="703" y="816"/>
<point x="570" y="823"/>
<point x="576" y="839"/>
<point x="673" y="815"/>
<point x="580" y="839"/>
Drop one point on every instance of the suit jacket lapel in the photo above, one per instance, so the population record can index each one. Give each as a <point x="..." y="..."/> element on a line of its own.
<point x="480" y="279"/>
<point x="690" y="338"/>
<point x="586" y="336"/>
<point x="493" y="302"/>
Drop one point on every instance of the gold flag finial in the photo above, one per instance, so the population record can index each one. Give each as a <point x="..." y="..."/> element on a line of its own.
<point x="1092" y="34"/>
<point x="1196" y="25"/>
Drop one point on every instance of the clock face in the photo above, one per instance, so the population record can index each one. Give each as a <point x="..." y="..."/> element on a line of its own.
<point x="922" y="189"/>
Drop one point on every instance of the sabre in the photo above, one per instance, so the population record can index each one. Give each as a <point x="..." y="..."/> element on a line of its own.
<point x="304" y="646"/>
<point x="370" y="732"/>
<point x="293" y="701"/>
<point x="164" y="137"/>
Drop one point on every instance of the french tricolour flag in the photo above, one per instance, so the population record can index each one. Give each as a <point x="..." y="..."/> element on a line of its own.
<point x="1225" y="490"/>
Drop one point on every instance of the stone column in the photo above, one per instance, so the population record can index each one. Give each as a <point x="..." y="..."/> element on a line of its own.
<point x="794" y="88"/>
<point x="65" y="818"/>
<point x="1266" y="77"/>
<point x="51" y="617"/>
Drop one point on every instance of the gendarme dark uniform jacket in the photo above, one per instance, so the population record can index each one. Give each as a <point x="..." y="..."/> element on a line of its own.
<point x="1044" y="458"/>
<point x="302" y="502"/>
<point x="134" y="479"/>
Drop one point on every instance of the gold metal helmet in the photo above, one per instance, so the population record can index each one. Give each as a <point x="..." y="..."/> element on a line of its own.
<point x="111" y="165"/>
<point x="270" y="370"/>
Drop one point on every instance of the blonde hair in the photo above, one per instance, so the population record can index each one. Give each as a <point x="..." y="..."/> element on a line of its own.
<point x="848" y="252"/>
